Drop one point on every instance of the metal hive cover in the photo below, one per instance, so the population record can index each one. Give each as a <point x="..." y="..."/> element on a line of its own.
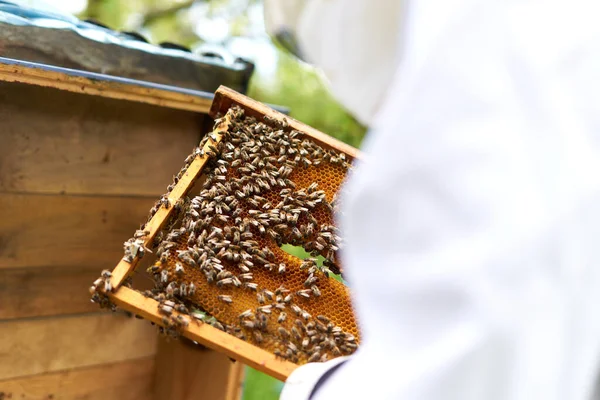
<point x="32" y="31"/>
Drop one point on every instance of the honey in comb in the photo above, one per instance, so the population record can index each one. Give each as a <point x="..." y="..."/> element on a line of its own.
<point x="265" y="186"/>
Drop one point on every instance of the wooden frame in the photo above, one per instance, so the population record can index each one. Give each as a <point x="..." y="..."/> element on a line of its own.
<point x="205" y="334"/>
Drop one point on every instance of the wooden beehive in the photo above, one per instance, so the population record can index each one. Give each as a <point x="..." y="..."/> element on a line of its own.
<point x="147" y="307"/>
<point x="75" y="151"/>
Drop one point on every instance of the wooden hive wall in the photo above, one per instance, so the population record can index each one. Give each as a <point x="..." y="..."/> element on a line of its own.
<point x="78" y="174"/>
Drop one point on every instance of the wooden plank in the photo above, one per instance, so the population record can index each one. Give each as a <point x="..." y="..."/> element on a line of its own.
<point x="185" y="184"/>
<point x="235" y="382"/>
<point x="50" y="291"/>
<point x="104" y="86"/>
<point x="128" y="380"/>
<point x="207" y="335"/>
<point x="37" y="346"/>
<point x="59" y="142"/>
<point x="186" y="371"/>
<point x="226" y="98"/>
<point x="33" y="292"/>
<point x="66" y="231"/>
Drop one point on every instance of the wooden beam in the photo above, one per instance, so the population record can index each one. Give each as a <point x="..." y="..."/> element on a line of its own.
<point x="55" y="142"/>
<point x="67" y="231"/>
<point x="104" y="85"/>
<point x="127" y="380"/>
<point x="39" y="292"/>
<point x="53" y="291"/>
<point x="185" y="371"/>
<point x="206" y="335"/>
<point x="36" y="346"/>
<point x="225" y="98"/>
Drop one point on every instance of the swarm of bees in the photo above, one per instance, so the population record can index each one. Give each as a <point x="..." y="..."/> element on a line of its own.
<point x="220" y="260"/>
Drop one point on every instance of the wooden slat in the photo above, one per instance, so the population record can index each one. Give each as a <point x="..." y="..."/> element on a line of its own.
<point x="36" y="346"/>
<point x="129" y="380"/>
<point x="41" y="231"/>
<point x="187" y="372"/>
<point x="52" y="291"/>
<point x="59" y="142"/>
<point x="235" y="382"/>
<point x="205" y="334"/>
<point x="226" y="98"/>
<point x="105" y="86"/>
<point x="33" y="292"/>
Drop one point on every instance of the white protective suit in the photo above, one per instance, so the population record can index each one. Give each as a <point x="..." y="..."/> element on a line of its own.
<point x="473" y="226"/>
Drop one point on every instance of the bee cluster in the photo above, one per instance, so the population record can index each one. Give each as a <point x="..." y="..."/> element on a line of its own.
<point x="264" y="185"/>
<point x="99" y="288"/>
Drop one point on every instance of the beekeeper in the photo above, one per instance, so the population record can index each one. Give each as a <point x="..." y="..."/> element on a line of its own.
<point x="473" y="225"/>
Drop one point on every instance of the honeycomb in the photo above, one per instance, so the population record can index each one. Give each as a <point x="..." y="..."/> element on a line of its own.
<point x="264" y="185"/>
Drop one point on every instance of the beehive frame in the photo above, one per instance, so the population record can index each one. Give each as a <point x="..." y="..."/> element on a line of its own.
<point x="133" y="301"/>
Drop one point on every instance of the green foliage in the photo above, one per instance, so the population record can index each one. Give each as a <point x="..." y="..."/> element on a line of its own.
<point x="301" y="87"/>
<point x="259" y="386"/>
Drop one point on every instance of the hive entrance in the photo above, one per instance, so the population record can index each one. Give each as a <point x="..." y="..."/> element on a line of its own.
<point x="219" y="257"/>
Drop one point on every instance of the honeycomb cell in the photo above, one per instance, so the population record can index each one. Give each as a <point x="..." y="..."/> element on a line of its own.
<point x="265" y="186"/>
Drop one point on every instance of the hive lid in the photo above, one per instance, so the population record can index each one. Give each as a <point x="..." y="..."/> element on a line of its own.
<point x="41" y="34"/>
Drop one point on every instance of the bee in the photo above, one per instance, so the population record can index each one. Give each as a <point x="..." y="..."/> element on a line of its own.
<point x="280" y="306"/>
<point x="283" y="333"/>
<point x="225" y="298"/>
<point x="169" y="303"/>
<point x="179" y="269"/>
<point x="315" y="290"/>
<point x="306" y="315"/>
<point x="310" y="280"/>
<point x="165" y="309"/>
<point x="315" y="356"/>
<point x="323" y="319"/>
<point x="224" y="282"/>
<point x="246" y="314"/>
<point x="164" y="276"/>
<point x="246" y="276"/>
<point x="292" y="346"/>
<point x="260" y="298"/>
<point x="304" y="293"/>
<point x="281" y="317"/>
<point x="182" y="321"/>
<point x="191" y="289"/>
<point x="296" y="333"/>
<point x="181" y="308"/>
<point x="269" y="294"/>
<point x="336" y="351"/>
<point x="248" y="324"/>
<point x="281" y="268"/>
<point x="297" y="310"/>
<point x="287" y="299"/>
<point x="257" y="336"/>
<point x="251" y="285"/>
<point x="265" y="309"/>
<point x="183" y="289"/>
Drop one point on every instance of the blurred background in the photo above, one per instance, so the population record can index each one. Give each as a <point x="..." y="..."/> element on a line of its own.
<point x="238" y="27"/>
